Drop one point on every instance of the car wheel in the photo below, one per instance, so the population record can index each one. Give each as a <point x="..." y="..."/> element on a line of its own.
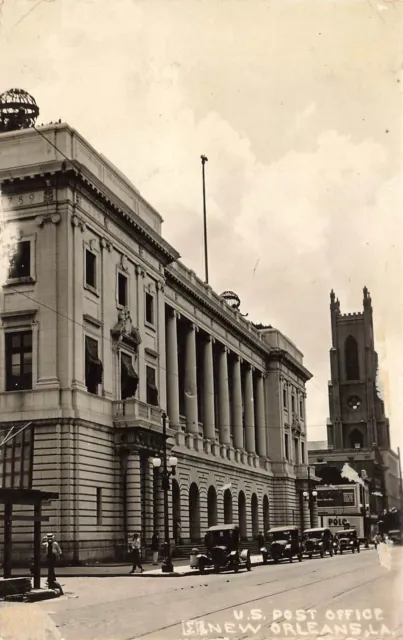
<point x="249" y="565"/>
<point x="236" y="566"/>
<point x="300" y="557"/>
<point x="310" y="556"/>
<point x="202" y="567"/>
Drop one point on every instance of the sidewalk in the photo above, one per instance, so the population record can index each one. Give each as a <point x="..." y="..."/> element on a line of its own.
<point x="181" y="568"/>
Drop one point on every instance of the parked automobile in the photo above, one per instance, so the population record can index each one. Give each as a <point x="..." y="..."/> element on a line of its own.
<point x="318" y="541"/>
<point x="395" y="535"/>
<point x="348" y="541"/>
<point x="283" y="543"/>
<point x="222" y="550"/>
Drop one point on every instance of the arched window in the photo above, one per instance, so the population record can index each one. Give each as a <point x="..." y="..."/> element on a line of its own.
<point x="356" y="439"/>
<point x="351" y="358"/>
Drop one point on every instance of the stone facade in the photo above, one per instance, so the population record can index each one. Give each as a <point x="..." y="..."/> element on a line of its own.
<point x="110" y="330"/>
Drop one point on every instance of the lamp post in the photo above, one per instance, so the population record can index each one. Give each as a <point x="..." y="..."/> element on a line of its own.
<point x="310" y="496"/>
<point x="168" y="469"/>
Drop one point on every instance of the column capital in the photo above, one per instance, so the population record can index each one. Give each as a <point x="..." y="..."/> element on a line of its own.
<point x="175" y="314"/>
<point x="140" y="271"/>
<point x="194" y="327"/>
<point x="208" y="338"/>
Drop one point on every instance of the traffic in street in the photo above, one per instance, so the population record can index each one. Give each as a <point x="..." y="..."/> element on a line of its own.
<point x="240" y="605"/>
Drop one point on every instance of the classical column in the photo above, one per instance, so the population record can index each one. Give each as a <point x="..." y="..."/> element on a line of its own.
<point x="133" y="494"/>
<point x="249" y="412"/>
<point x="236" y="402"/>
<point x="192" y="423"/>
<point x="172" y="370"/>
<point x="208" y="388"/>
<point x="260" y="416"/>
<point x="224" y="408"/>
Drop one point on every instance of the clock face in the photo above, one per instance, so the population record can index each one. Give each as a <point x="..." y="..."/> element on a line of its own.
<point x="354" y="402"/>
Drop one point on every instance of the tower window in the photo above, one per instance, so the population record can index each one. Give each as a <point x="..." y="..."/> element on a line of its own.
<point x="351" y="358"/>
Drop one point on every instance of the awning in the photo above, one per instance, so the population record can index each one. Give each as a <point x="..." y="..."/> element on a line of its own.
<point x="130" y="378"/>
<point x="93" y="363"/>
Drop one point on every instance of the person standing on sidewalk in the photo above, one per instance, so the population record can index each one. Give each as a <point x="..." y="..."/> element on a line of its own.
<point x="136" y="551"/>
<point x="155" y="547"/>
<point x="53" y="553"/>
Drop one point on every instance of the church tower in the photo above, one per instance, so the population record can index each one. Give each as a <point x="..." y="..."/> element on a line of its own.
<point x="357" y="413"/>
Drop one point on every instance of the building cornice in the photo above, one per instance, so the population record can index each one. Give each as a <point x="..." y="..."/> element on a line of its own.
<point x="77" y="172"/>
<point x="180" y="283"/>
<point x="282" y="356"/>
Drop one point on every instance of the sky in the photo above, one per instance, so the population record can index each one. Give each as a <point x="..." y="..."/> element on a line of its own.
<point x="297" y="105"/>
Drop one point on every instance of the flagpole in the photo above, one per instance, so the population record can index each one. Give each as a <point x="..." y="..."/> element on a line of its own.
<point x="204" y="160"/>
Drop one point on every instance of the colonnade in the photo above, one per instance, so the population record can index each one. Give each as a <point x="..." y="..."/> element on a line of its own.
<point x="240" y="417"/>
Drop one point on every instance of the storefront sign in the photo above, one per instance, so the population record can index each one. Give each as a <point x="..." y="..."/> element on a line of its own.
<point x="335" y="498"/>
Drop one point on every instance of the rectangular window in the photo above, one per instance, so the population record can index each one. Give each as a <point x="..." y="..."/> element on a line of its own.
<point x="303" y="452"/>
<point x="122" y="290"/>
<point x="296" y="451"/>
<point x="152" y="391"/>
<point x="93" y="366"/>
<point x="293" y="403"/>
<point x="149" y="308"/>
<point x="301" y="408"/>
<point x="20" y="266"/>
<point x="285" y="404"/>
<point x="90" y="269"/>
<point x="99" y="506"/>
<point x="18" y="348"/>
<point x="129" y="379"/>
<point x="286" y="447"/>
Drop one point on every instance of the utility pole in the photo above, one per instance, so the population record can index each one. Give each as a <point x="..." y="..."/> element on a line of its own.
<point x="204" y="160"/>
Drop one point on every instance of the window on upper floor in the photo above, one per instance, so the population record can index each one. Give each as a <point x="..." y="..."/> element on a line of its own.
<point x="285" y="403"/>
<point x="293" y="403"/>
<point x="18" y="352"/>
<point x="286" y="447"/>
<point x="122" y="290"/>
<point x="129" y="380"/>
<point x="20" y="264"/>
<point x="90" y="269"/>
<point x="149" y="310"/>
<point x="301" y="408"/>
<point x="296" y="450"/>
<point x="93" y="365"/>
<point x="303" y="452"/>
<point x="152" y="391"/>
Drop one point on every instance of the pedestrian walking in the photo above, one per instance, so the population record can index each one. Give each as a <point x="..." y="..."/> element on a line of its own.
<point x="135" y="546"/>
<point x="178" y="532"/>
<point x="155" y="547"/>
<point x="260" y="541"/>
<point x="53" y="554"/>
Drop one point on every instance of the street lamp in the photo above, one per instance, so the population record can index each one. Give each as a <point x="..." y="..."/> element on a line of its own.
<point x="168" y="469"/>
<point x="310" y="496"/>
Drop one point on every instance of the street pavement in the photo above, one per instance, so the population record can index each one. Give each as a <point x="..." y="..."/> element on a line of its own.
<point x="273" y="601"/>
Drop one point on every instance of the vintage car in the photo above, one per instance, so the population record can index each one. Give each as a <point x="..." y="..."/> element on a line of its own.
<point x="395" y="535"/>
<point x="318" y="541"/>
<point x="283" y="543"/>
<point x="222" y="545"/>
<point x="347" y="540"/>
